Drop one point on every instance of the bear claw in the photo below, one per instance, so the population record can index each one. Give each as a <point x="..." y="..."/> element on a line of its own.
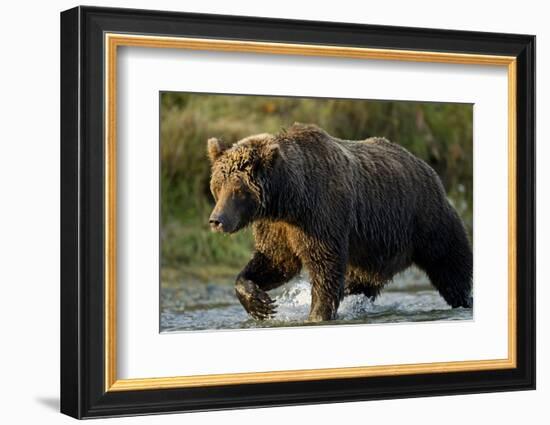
<point x="255" y="300"/>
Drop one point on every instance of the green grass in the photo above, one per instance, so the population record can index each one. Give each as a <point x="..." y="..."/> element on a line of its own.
<point x="441" y="134"/>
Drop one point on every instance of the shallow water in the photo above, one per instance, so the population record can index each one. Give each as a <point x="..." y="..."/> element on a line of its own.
<point x="197" y="306"/>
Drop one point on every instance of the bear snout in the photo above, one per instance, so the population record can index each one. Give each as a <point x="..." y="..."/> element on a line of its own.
<point x="217" y="222"/>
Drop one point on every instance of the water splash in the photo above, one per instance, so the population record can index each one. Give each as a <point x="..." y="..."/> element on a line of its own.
<point x="201" y="307"/>
<point x="295" y="301"/>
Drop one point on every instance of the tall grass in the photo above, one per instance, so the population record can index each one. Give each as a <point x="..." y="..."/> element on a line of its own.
<point x="439" y="133"/>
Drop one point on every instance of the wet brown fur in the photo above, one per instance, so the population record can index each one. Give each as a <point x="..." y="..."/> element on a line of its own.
<point x="354" y="213"/>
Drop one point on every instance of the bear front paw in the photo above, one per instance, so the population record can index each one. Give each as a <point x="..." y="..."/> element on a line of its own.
<point x="255" y="300"/>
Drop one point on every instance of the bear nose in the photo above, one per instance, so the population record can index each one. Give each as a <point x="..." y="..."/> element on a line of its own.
<point x="216" y="221"/>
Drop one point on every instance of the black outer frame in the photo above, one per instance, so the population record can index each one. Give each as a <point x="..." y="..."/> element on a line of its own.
<point x="82" y="216"/>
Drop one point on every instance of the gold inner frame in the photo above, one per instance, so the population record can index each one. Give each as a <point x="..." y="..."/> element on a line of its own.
<point x="113" y="41"/>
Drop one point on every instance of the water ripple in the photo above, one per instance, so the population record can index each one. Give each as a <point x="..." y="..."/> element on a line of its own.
<point x="202" y="307"/>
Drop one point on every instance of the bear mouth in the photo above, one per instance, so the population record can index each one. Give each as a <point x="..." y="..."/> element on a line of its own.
<point x="219" y="228"/>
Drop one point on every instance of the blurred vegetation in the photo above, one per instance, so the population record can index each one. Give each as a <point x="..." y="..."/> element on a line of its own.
<point x="439" y="133"/>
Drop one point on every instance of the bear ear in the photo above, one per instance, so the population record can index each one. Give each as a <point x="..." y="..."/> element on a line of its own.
<point x="271" y="153"/>
<point x="215" y="148"/>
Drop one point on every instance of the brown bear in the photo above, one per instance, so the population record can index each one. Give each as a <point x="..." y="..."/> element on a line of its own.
<point x="354" y="213"/>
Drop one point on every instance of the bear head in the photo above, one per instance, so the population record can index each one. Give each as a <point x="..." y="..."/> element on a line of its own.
<point x="240" y="174"/>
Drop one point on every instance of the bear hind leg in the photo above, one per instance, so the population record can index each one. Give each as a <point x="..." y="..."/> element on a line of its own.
<point x="361" y="281"/>
<point x="454" y="285"/>
<point x="369" y="290"/>
<point x="450" y="270"/>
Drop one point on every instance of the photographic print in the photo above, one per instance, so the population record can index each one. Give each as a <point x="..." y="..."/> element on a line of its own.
<point x="288" y="211"/>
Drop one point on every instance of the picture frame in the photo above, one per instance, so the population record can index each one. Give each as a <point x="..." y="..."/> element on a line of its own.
<point x="90" y="40"/>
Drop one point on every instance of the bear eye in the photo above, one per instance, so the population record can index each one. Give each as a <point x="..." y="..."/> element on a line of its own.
<point x="240" y="193"/>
